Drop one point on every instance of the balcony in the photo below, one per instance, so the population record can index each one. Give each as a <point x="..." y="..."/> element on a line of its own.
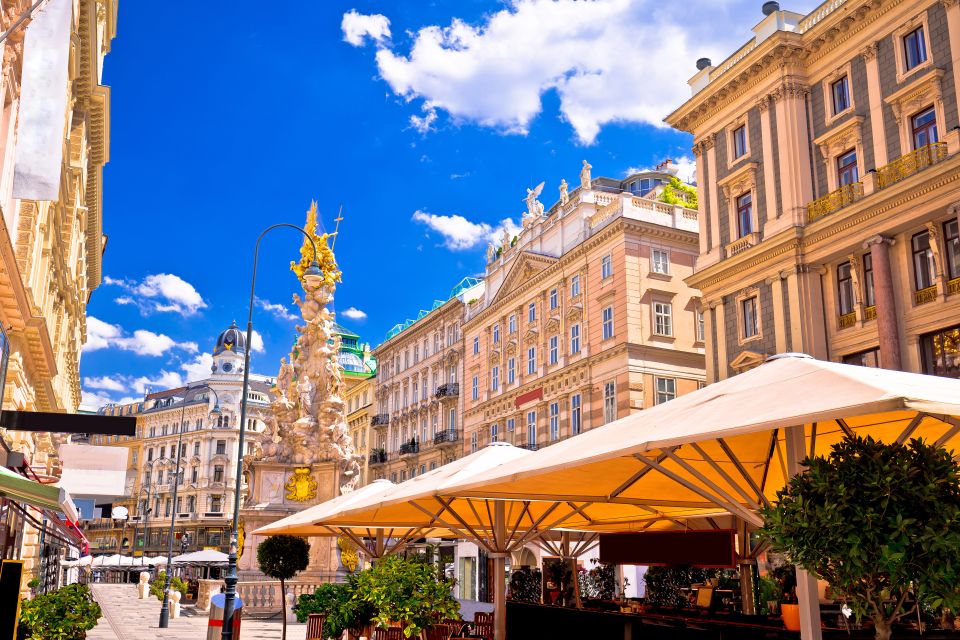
<point x="834" y="201"/>
<point x="445" y="437"/>
<point x="953" y="287"/>
<point x="449" y="390"/>
<point x="909" y="164"/>
<point x="742" y="244"/>
<point x="847" y="320"/>
<point x="925" y="295"/>
<point x="870" y="313"/>
<point x="409" y="447"/>
<point x="380" y="420"/>
<point x="529" y="446"/>
<point x="213" y="514"/>
<point x="379" y="456"/>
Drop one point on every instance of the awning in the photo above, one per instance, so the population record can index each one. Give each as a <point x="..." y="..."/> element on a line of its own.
<point x="41" y="496"/>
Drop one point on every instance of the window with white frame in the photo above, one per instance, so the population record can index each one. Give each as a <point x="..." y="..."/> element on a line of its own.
<point x="512" y="324"/>
<point x="494" y="432"/>
<point x="496" y="334"/>
<point x="606" y="266"/>
<point x="575" y="338"/>
<point x="532" y="428"/>
<point x="476" y="345"/>
<point x="576" y="414"/>
<point x="609" y="401"/>
<point x="914" y="48"/>
<point x="554" y="299"/>
<point x="554" y="420"/>
<point x="475" y="388"/>
<point x="495" y="378"/>
<point x="532" y="312"/>
<point x="473" y="442"/>
<point x="554" y="353"/>
<point x="452" y="420"/>
<point x="663" y="318"/>
<point x="532" y="360"/>
<point x="739" y="141"/>
<point x="749" y="322"/>
<point x="660" y="260"/>
<point x="575" y="286"/>
<point x="607" y="324"/>
<point x="700" y="325"/>
<point x="666" y="389"/>
<point x="840" y="94"/>
<point x="511" y="424"/>
<point x="511" y="370"/>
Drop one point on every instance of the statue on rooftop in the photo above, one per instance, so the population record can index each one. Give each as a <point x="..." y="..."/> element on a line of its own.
<point x="534" y="206"/>
<point x="585" y="178"/>
<point x="563" y="191"/>
<point x="490" y="252"/>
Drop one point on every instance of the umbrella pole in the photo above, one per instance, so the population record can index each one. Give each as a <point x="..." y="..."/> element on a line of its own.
<point x="499" y="579"/>
<point x="807" y="594"/>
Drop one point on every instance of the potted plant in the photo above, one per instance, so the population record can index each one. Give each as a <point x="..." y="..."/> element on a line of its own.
<point x="878" y="522"/>
<point x="282" y="557"/>
<point x="64" y="614"/>
<point x="769" y="599"/>
<point x="785" y="577"/>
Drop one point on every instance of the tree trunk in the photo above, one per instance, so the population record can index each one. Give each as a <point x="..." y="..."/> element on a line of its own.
<point x="882" y="627"/>
<point x="283" y="608"/>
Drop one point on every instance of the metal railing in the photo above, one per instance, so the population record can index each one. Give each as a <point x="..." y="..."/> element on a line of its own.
<point x="449" y="390"/>
<point x="378" y="457"/>
<point x="380" y="420"/>
<point x="870" y="313"/>
<point x="910" y="163"/>
<point x="834" y="201"/>
<point x="445" y="437"/>
<point x="923" y="296"/>
<point x="409" y="447"/>
<point x="530" y="446"/>
<point x="953" y="287"/>
<point x="847" y="320"/>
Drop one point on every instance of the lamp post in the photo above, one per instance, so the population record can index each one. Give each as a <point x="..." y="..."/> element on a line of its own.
<point x="165" y="608"/>
<point x="120" y="518"/>
<point x="146" y="512"/>
<point x="311" y="274"/>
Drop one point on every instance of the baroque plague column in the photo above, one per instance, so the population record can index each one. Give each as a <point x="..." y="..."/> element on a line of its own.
<point x="306" y="456"/>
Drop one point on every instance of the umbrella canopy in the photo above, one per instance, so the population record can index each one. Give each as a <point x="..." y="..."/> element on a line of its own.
<point x="205" y="556"/>
<point x="309" y="522"/>
<point x="113" y="561"/>
<point x="41" y="496"/>
<point x="79" y="562"/>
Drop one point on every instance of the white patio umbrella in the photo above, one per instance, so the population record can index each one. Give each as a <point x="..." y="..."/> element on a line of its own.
<point x="204" y="556"/>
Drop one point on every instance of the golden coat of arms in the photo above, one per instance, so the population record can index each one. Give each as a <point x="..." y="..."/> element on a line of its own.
<point x="349" y="556"/>
<point x="301" y="486"/>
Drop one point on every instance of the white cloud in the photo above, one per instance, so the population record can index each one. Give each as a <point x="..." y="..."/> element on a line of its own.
<point x="159" y="293"/>
<point x="279" y="310"/>
<point x="685" y="165"/>
<point x="256" y="342"/>
<point x="103" y="335"/>
<point x="354" y="314"/>
<point x="357" y="27"/>
<point x="106" y="383"/>
<point x="198" y="368"/>
<point x="165" y="380"/>
<point x="91" y="400"/>
<point x="424" y="124"/>
<point x="609" y="61"/>
<point x="460" y="234"/>
<point x="458" y="176"/>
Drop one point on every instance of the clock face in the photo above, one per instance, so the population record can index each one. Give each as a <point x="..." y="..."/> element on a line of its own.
<point x="227" y="367"/>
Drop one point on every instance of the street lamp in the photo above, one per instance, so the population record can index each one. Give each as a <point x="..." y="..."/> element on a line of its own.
<point x="165" y="609"/>
<point x="312" y="275"/>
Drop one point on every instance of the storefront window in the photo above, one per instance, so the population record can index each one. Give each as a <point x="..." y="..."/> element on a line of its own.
<point x="941" y="352"/>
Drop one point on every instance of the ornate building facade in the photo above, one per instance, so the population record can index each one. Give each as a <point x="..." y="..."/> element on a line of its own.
<point x="358" y="366"/>
<point x="827" y="158"/>
<point x="585" y="317"/>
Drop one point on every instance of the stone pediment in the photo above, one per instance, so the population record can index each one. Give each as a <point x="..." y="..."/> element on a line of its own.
<point x="530" y="337"/>
<point x="525" y="267"/>
<point x="575" y="313"/>
<point x="747" y="360"/>
<point x="552" y="325"/>
<point x="511" y="347"/>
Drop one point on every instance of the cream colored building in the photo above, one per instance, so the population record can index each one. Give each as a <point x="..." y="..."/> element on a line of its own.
<point x="585" y="317"/>
<point x="827" y="158"/>
<point x="359" y="401"/>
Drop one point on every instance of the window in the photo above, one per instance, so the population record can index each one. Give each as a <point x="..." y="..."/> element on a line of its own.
<point x="847" y="168"/>
<point x="924" y="126"/>
<point x="416" y="354"/>
<point x="532" y="312"/>
<point x="452" y="421"/>
<point x="840" y="91"/>
<point x="476" y="345"/>
<point x="496" y="334"/>
<point x="940" y="352"/>
<point x="512" y="324"/>
<point x="845" y="288"/>
<point x="221" y="447"/>
<point x="868" y="280"/>
<point x="532" y="360"/>
<point x="149" y="455"/>
<point x="574" y="286"/>
<point x="495" y="378"/>
<point x="494" y="432"/>
<point x="183" y="450"/>
<point x="663" y="318"/>
<point x="575" y="338"/>
<point x="576" y="414"/>
<point x="554" y="299"/>
<point x="700" y="325"/>
<point x="216" y="504"/>
<point x="162" y="454"/>
<point x="194" y="474"/>
<point x="473" y="442"/>
<point x="134" y="460"/>
<point x="748" y="317"/>
<point x="914" y="48"/>
<point x="218" y="473"/>
<point x="606" y="267"/>
<point x="511" y="370"/>
<point x="666" y="389"/>
<point x="744" y="215"/>
<point x="554" y="354"/>
<point x="475" y="388"/>
<point x="609" y="402"/>
<point x="511" y="424"/>
<point x="554" y="421"/>
<point x="740" y="141"/>
<point x="924" y="269"/>
<point x="607" y="317"/>
<point x="660" y="261"/>
<point x="952" y="244"/>
<point x="532" y="428"/>
<point x="191" y="504"/>
<point x="869" y="358"/>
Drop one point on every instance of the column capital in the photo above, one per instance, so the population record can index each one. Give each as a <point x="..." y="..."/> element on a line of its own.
<point x="954" y="209"/>
<point x="947" y="4"/>
<point x="877" y="239"/>
<point x="869" y="52"/>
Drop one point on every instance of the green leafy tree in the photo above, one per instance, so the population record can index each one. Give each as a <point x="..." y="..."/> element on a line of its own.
<point x="336" y="602"/>
<point x="176" y="584"/>
<point x="678" y="192"/>
<point x="64" y="614"/>
<point x="281" y="558"/>
<point x="408" y="592"/>
<point x="878" y="522"/>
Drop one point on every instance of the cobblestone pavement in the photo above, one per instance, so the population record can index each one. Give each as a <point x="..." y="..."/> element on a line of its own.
<point x="125" y="617"/>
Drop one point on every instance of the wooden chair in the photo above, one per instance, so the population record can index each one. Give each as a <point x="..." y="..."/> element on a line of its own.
<point x="484" y="629"/>
<point x="439" y="632"/>
<point x="455" y="626"/>
<point x="393" y="633"/>
<point x="315" y="626"/>
<point x="483" y="616"/>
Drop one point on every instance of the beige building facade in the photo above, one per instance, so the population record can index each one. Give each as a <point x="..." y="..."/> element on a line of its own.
<point x="827" y="159"/>
<point x="585" y="317"/>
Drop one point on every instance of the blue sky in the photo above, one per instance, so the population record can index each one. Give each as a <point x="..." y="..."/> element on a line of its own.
<point x="426" y="121"/>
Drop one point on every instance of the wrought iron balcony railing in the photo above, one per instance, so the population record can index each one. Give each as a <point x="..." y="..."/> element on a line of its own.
<point x="445" y="437"/>
<point x="925" y="295"/>
<point x="910" y="163"/>
<point x="378" y="457"/>
<point x="847" y="320"/>
<point x="531" y="446"/>
<point x="380" y="420"/>
<point x="449" y="390"/>
<point x="834" y="201"/>
<point x="409" y="447"/>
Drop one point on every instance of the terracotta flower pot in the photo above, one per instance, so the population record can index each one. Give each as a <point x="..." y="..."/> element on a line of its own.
<point x="791" y="616"/>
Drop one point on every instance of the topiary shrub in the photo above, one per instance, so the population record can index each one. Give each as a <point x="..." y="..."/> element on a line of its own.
<point x="281" y="558"/>
<point x="64" y="614"/>
<point x="337" y="603"/>
<point x="176" y="584"/>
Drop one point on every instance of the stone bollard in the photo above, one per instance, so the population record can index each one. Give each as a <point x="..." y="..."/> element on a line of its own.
<point x="175" y="603"/>
<point x="143" y="587"/>
<point x="289" y="600"/>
